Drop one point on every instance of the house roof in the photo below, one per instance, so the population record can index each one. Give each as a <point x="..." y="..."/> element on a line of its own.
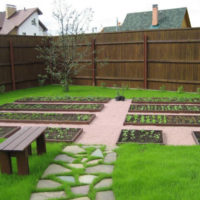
<point x="7" y="25"/>
<point x="170" y="18"/>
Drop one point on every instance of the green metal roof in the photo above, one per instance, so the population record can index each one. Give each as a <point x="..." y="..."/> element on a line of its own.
<point x="170" y="18"/>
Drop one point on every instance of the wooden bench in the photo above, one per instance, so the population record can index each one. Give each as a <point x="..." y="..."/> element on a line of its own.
<point x="19" y="145"/>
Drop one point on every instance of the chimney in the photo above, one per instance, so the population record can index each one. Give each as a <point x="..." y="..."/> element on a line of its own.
<point x="10" y="10"/>
<point x="155" y="15"/>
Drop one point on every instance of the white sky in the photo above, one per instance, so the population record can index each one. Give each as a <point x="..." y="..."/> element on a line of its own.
<point x="106" y="11"/>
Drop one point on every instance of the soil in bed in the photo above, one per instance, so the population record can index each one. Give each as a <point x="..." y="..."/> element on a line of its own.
<point x="46" y="118"/>
<point x="62" y="134"/>
<point x="53" y="107"/>
<point x="163" y="120"/>
<point x="165" y="108"/>
<point x="6" y="131"/>
<point x="166" y="100"/>
<point x="141" y="136"/>
<point x="66" y="99"/>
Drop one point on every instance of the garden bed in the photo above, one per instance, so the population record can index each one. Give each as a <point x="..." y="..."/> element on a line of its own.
<point x="7" y="131"/>
<point x="53" y="107"/>
<point x="167" y="100"/>
<point x="165" y="108"/>
<point x="163" y="120"/>
<point x="47" y="118"/>
<point x="141" y="136"/>
<point x="65" y="99"/>
<point x="62" y="134"/>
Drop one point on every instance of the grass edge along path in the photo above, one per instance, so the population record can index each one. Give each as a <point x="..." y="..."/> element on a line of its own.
<point x="15" y="187"/>
<point x="155" y="172"/>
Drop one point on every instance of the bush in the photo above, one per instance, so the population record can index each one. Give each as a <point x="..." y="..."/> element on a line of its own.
<point x="2" y="89"/>
<point x="41" y="79"/>
<point x="198" y="91"/>
<point x="180" y="89"/>
<point x="163" y="88"/>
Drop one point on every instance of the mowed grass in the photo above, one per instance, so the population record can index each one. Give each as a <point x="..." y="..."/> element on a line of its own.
<point x="15" y="187"/>
<point x="85" y="91"/>
<point x="155" y="172"/>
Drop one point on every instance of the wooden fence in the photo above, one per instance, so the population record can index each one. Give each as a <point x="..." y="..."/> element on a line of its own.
<point x="139" y="59"/>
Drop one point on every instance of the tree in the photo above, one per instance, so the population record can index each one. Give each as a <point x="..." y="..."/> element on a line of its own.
<point x="63" y="53"/>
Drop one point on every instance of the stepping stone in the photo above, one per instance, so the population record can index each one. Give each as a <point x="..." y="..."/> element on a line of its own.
<point x="86" y="178"/>
<point x="65" y="158"/>
<point x="110" y="157"/>
<point x="55" y="169"/>
<point x="97" y="153"/>
<point x="80" y="189"/>
<point x="48" y="184"/>
<point x="84" y="159"/>
<point x="93" y="161"/>
<point x="73" y="149"/>
<point x="89" y="146"/>
<point x="78" y="166"/>
<point x="47" y="195"/>
<point x="81" y="198"/>
<point x="100" y="169"/>
<point x="104" y="183"/>
<point x="69" y="179"/>
<point x="106" y="195"/>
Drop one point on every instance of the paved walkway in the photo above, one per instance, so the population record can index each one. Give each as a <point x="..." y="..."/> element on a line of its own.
<point x="94" y="174"/>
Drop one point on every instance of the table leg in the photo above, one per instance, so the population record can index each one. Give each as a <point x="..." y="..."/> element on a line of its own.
<point x="22" y="162"/>
<point x="41" y="145"/>
<point x="5" y="162"/>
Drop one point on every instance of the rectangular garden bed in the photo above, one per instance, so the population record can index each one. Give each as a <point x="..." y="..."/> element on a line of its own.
<point x="53" y="107"/>
<point x="163" y="120"/>
<point x="62" y="134"/>
<point x="141" y="136"/>
<point x="6" y="131"/>
<point x="165" y="108"/>
<point x="65" y="99"/>
<point x="157" y="100"/>
<point x="47" y="118"/>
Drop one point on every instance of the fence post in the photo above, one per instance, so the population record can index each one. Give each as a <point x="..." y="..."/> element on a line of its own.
<point x="12" y="65"/>
<point x="93" y="63"/>
<point x="145" y="62"/>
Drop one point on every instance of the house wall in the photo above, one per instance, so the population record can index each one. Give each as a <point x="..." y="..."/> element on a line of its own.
<point x="28" y="28"/>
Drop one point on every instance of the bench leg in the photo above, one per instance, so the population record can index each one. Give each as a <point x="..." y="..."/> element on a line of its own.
<point x="41" y="145"/>
<point x="22" y="162"/>
<point x="29" y="150"/>
<point x="5" y="162"/>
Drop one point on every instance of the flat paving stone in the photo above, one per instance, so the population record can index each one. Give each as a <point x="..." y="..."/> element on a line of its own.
<point x="69" y="179"/>
<point x="47" y="195"/>
<point x="110" y="157"/>
<point x="84" y="159"/>
<point x="100" y="169"/>
<point x="104" y="183"/>
<point x="97" y="153"/>
<point x="47" y="184"/>
<point x="81" y="198"/>
<point x="105" y="195"/>
<point x="55" y="169"/>
<point x="65" y="158"/>
<point x="93" y="161"/>
<point x="78" y="166"/>
<point x="80" y="189"/>
<point x="73" y="149"/>
<point x="86" y="178"/>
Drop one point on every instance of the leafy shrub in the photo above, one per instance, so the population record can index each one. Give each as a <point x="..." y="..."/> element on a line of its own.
<point x="180" y="89"/>
<point x="2" y="89"/>
<point x="41" y="79"/>
<point x="163" y="88"/>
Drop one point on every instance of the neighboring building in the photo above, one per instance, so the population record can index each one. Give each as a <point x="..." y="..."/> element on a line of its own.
<point x="155" y="19"/>
<point x="21" y="22"/>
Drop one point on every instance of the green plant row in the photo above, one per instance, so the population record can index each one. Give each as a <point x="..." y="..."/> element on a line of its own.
<point x="51" y="106"/>
<point x="165" y="108"/>
<point x="163" y="119"/>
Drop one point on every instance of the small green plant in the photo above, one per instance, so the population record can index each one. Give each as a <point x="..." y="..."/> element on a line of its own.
<point x="41" y="79"/>
<point x="114" y="85"/>
<point x="2" y="89"/>
<point x="180" y="89"/>
<point x="198" y="91"/>
<point x="163" y="88"/>
<point x="103" y="84"/>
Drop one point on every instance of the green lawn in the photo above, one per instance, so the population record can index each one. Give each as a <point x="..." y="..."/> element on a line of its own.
<point x="84" y="91"/>
<point x="155" y="172"/>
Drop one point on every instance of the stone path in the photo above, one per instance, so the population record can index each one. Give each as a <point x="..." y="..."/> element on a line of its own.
<point x="84" y="170"/>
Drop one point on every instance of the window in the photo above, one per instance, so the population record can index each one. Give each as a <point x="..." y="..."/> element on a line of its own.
<point x="33" y="22"/>
<point x="24" y="33"/>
